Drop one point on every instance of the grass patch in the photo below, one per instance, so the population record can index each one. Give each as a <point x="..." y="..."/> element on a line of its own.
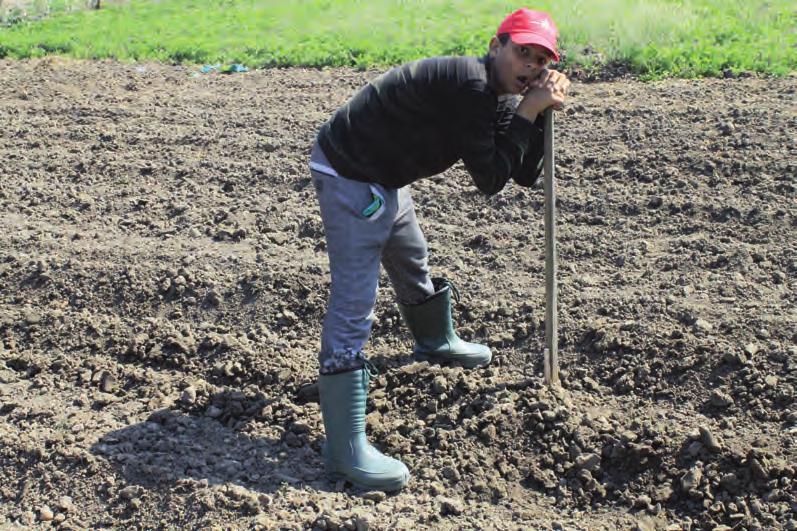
<point x="18" y="11"/>
<point x="653" y="38"/>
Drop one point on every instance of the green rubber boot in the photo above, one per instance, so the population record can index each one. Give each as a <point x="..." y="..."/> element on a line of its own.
<point x="347" y="453"/>
<point x="433" y="330"/>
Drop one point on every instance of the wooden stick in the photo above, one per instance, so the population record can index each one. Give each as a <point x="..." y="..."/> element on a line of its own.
<point x="551" y="354"/>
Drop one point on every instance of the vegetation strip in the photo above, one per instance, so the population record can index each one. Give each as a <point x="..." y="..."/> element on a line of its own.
<point x="650" y="38"/>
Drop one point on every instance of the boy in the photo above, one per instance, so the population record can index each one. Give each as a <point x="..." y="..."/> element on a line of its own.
<point x="415" y="121"/>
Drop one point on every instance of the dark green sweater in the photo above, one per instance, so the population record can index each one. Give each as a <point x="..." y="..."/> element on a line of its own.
<point x="419" y="119"/>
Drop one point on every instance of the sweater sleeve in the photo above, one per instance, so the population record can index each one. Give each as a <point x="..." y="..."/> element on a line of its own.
<point x="491" y="157"/>
<point x="531" y="167"/>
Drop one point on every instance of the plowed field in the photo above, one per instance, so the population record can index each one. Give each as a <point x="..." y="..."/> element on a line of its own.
<point x="163" y="278"/>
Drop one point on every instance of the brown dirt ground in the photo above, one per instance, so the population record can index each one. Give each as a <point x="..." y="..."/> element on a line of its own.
<point x="163" y="278"/>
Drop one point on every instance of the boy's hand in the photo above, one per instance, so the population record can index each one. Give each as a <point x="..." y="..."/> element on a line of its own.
<point x="549" y="89"/>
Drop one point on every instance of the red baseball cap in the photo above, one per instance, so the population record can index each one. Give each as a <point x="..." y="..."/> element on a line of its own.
<point x="525" y="26"/>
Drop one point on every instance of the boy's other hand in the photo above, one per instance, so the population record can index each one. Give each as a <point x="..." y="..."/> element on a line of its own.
<point x="549" y="89"/>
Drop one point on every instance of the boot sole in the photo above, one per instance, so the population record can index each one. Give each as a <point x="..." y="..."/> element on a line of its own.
<point x="442" y="360"/>
<point x="390" y="486"/>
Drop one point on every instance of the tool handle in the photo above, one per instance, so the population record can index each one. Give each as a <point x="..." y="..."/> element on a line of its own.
<point x="551" y="353"/>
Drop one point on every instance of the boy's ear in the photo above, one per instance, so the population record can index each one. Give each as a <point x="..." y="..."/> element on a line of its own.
<point x="494" y="45"/>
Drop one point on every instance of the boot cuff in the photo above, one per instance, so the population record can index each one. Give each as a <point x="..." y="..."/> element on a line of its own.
<point x="440" y="284"/>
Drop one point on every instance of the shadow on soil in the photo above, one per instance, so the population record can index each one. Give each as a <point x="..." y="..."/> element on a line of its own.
<point x="172" y="446"/>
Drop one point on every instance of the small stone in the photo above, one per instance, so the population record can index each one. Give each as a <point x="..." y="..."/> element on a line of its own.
<point x="735" y="357"/>
<point x="300" y="428"/>
<point x="758" y="470"/>
<point x="756" y="506"/>
<point x="46" y="514"/>
<point x="751" y="349"/>
<point x="436" y="488"/>
<point x="107" y="382"/>
<point x="488" y="433"/>
<point x="591" y="384"/>
<point x="450" y="506"/>
<point x="694" y="448"/>
<point x="642" y="502"/>
<point x="451" y="473"/>
<point x="65" y="504"/>
<point x="375" y="496"/>
<point x="701" y="325"/>
<point x="30" y="317"/>
<point x="545" y="477"/>
<point x="189" y="395"/>
<point x="771" y="380"/>
<point x="239" y="493"/>
<point x="213" y="298"/>
<point x="708" y="440"/>
<point x="591" y="462"/>
<point x="727" y="128"/>
<point x="129" y="493"/>
<point x="662" y="494"/>
<point x="279" y="238"/>
<point x="213" y="412"/>
<point x="720" y="399"/>
<point x="691" y="479"/>
<point x="439" y="385"/>
<point x="655" y="201"/>
<point x="413" y="368"/>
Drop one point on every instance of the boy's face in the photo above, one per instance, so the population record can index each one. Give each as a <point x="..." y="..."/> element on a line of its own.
<point x="514" y="66"/>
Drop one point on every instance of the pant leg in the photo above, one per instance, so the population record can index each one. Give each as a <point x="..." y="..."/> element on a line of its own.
<point x="405" y="256"/>
<point x="354" y="246"/>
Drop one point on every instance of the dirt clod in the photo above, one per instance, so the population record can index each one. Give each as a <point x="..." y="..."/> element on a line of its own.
<point x="720" y="399"/>
<point x="46" y="514"/>
<point x="450" y="506"/>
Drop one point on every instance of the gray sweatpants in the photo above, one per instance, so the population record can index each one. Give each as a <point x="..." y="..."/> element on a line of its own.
<point x="356" y="244"/>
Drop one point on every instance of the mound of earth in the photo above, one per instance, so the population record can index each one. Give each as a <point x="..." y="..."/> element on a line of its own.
<point x="163" y="278"/>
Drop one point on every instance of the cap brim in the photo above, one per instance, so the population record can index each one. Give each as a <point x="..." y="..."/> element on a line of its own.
<point x="533" y="38"/>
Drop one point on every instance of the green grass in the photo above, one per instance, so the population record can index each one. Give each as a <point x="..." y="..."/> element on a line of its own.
<point x="654" y="38"/>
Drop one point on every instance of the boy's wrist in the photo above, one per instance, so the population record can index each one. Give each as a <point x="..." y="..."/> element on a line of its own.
<point x="531" y="106"/>
<point x="529" y="112"/>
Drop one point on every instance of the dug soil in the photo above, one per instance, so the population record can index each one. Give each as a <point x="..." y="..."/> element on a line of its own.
<point x="163" y="278"/>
